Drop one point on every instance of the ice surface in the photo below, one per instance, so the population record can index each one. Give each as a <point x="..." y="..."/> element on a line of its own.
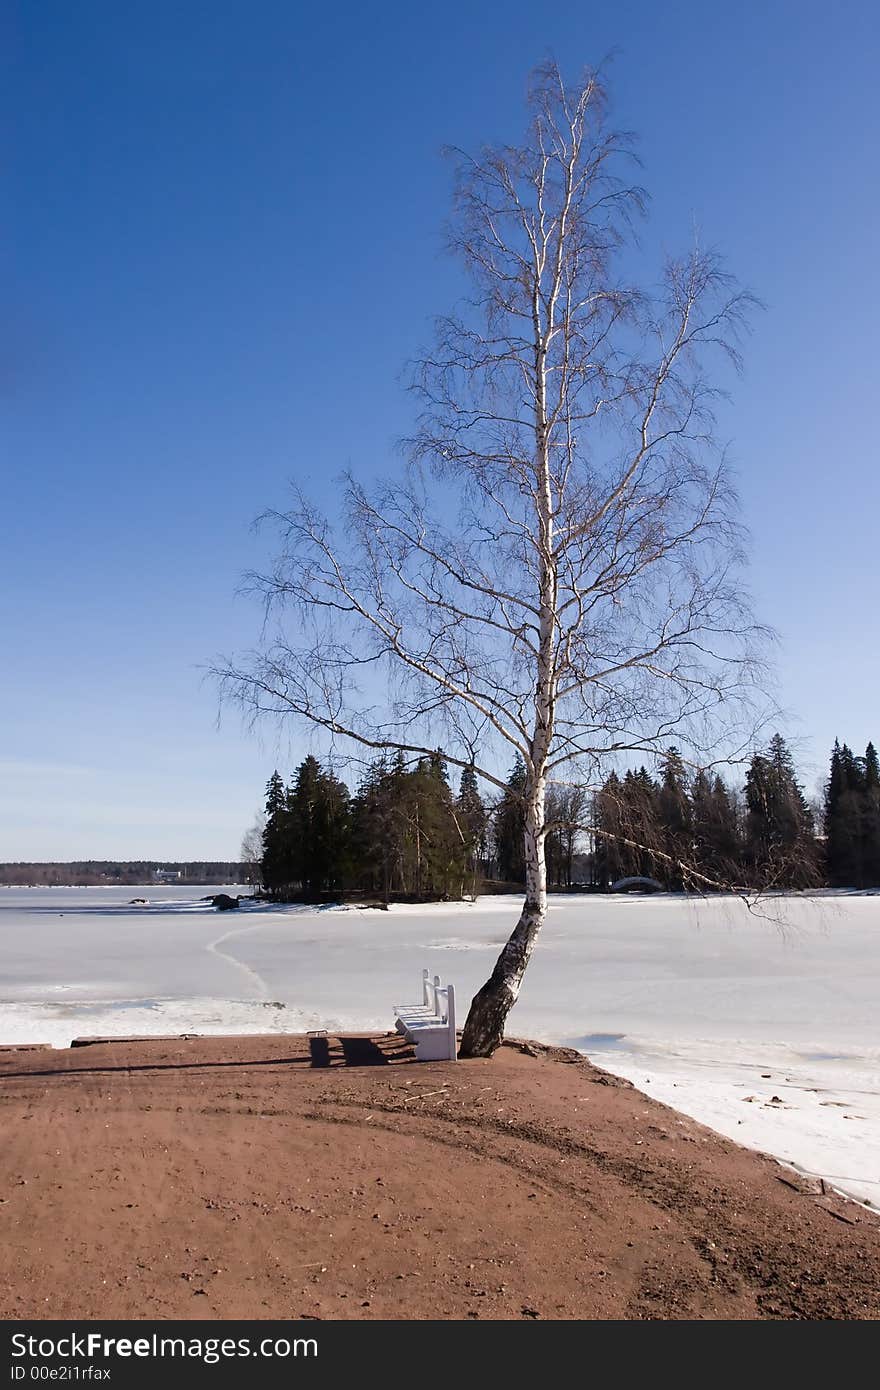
<point x="701" y="1004"/>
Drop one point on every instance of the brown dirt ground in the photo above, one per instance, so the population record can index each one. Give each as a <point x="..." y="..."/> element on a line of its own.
<point x="291" y="1177"/>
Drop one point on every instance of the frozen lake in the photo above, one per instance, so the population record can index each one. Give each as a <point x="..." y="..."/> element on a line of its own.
<point x="767" y="1030"/>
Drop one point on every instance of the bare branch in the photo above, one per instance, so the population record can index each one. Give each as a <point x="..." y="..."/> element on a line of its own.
<point x="558" y="572"/>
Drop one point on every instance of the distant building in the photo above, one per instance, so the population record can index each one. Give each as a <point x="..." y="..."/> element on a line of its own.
<point x="168" y="875"/>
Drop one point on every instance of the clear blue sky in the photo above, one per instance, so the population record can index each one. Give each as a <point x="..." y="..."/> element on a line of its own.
<point x="224" y="243"/>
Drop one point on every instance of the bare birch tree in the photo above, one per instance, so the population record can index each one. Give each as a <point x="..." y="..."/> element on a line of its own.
<point x="556" y="571"/>
<point x="251" y="852"/>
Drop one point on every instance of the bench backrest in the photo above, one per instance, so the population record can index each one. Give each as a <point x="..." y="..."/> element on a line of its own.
<point x="444" y="1002"/>
<point x="448" y="1014"/>
<point x="430" y="992"/>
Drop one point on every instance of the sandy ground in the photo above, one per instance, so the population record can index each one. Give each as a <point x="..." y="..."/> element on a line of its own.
<point x="295" y="1177"/>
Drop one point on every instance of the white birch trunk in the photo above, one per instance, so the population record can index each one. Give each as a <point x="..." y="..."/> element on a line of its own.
<point x="484" y="1028"/>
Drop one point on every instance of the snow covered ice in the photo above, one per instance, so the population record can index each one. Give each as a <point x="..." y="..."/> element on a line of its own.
<point x="764" y="1028"/>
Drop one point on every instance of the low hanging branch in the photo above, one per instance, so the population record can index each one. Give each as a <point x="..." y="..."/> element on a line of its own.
<point x="557" y="573"/>
<point x="682" y="866"/>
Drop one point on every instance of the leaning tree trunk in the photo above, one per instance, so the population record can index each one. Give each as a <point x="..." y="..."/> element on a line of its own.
<point x="484" y="1026"/>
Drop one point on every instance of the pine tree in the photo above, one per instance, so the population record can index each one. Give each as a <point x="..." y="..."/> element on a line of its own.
<point x="318" y="819"/>
<point x="782" y="847"/>
<point x="608" y="852"/>
<point x="845" y="804"/>
<point x="276" y="864"/>
<point x="716" y="836"/>
<point x="394" y="822"/>
<point x="871" y="820"/>
<point x="332" y="831"/>
<point x="553" y="842"/>
<point x="371" y="832"/>
<point x="441" y="851"/>
<point x="643" y="826"/>
<point x="626" y="815"/>
<point x="472" y="819"/>
<point x="675" y="818"/>
<point x="301" y="808"/>
<point x="852" y="818"/>
<point x="509" y="827"/>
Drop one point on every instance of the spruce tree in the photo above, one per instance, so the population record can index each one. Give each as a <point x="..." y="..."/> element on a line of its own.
<point x="608" y="851"/>
<point x="509" y="824"/>
<point x="642" y="823"/>
<point x="441" y="849"/>
<point x="675" y="817"/>
<point x="276" y="865"/>
<point x="626" y="816"/>
<point x="782" y="847"/>
<point x="332" y="831"/>
<point x="318" y="817"/>
<point x="871" y="820"/>
<point x="371" y="832"/>
<point x="302" y="799"/>
<point x="473" y="819"/>
<point x="553" y="842"/>
<point x="716" y="837"/>
<point x="845" y="808"/>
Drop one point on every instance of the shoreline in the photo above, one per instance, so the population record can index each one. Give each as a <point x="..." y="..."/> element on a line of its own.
<point x="289" y="1176"/>
<point x="813" y="1116"/>
<point x="766" y="1033"/>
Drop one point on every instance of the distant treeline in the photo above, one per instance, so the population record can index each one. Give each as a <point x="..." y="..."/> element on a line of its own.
<point x="89" y="872"/>
<point x="406" y="834"/>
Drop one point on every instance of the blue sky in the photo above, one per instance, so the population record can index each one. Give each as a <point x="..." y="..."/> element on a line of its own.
<point x="223" y="244"/>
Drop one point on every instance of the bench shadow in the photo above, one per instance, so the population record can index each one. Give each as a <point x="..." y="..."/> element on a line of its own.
<point x="362" y="1052"/>
<point x="154" y="1066"/>
<point x="355" y="1052"/>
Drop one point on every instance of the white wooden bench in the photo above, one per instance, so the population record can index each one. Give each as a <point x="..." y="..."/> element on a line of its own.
<point x="430" y="1026"/>
<point x="428" y="1006"/>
